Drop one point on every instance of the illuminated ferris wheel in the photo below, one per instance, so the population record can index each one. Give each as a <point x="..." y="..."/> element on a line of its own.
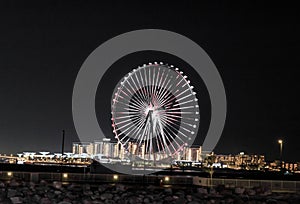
<point x="155" y="108"/>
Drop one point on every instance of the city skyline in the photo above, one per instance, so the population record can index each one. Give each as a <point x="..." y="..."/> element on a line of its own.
<point x="114" y="150"/>
<point x="254" y="47"/>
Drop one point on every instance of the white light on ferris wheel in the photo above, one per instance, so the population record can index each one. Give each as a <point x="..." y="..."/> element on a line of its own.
<point x="155" y="107"/>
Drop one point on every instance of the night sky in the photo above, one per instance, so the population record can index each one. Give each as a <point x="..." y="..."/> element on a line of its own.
<point x="254" y="45"/>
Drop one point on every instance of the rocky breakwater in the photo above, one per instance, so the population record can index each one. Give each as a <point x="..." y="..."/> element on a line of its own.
<point x="56" y="193"/>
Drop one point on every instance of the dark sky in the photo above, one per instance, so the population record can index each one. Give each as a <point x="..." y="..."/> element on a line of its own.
<point x="254" y="45"/>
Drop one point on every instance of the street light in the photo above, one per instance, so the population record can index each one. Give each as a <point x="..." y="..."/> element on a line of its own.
<point x="115" y="177"/>
<point x="280" y="142"/>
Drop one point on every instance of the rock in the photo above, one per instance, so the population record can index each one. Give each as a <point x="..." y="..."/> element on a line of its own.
<point x="189" y="198"/>
<point x="168" y="191"/>
<point x="151" y="188"/>
<point x="87" y="201"/>
<point x="95" y="197"/>
<point x="6" y="201"/>
<point x="88" y="193"/>
<point x="86" y="187"/>
<point x="102" y="188"/>
<point x="267" y="192"/>
<point x="147" y="200"/>
<point x="71" y="195"/>
<point x="239" y="190"/>
<point x="179" y="201"/>
<point x="180" y="193"/>
<point x="11" y="193"/>
<point x="36" y="198"/>
<point x="16" y="200"/>
<point x="106" y="202"/>
<point x="271" y="201"/>
<point x="45" y="201"/>
<point x="57" y="184"/>
<point x="43" y="183"/>
<point x="134" y="200"/>
<point x="2" y="185"/>
<point x="106" y="196"/>
<point x="64" y="202"/>
<point x="193" y="202"/>
<point x="121" y="188"/>
<point x="227" y="192"/>
<point x="168" y="199"/>
<point x="14" y="183"/>
<point x="212" y="191"/>
<point x="202" y="190"/>
<point x="150" y="196"/>
<point x="251" y="192"/>
<point x="31" y="184"/>
<point x="50" y="195"/>
<point x="220" y="188"/>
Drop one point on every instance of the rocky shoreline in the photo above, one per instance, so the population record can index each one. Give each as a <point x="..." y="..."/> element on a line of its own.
<point x="56" y="192"/>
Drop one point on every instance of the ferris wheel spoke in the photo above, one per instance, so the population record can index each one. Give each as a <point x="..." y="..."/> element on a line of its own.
<point x="163" y="139"/>
<point x="130" y="86"/>
<point x="126" y="116"/>
<point x="115" y="101"/>
<point x="164" y="119"/>
<point x="121" y="128"/>
<point x="132" y="109"/>
<point x="121" y="122"/>
<point x="169" y="100"/>
<point x="142" y="94"/>
<point x="141" y="138"/>
<point x="182" y="80"/>
<point x="159" y="85"/>
<point x="123" y="92"/>
<point x="126" y="89"/>
<point x="185" y="102"/>
<point x="146" y="84"/>
<point x="181" y="112"/>
<point x="182" y="108"/>
<point x="163" y="92"/>
<point x="171" y="137"/>
<point x="189" y="124"/>
<point x="143" y="86"/>
<point x="131" y="125"/>
<point x="189" y="95"/>
<point x="158" y="144"/>
<point x="175" y="128"/>
<point x="140" y="98"/>
<point x="163" y="83"/>
<point x="152" y="82"/>
<point x="139" y="128"/>
<point x="136" y="103"/>
<point x="156" y="83"/>
<point x="183" y="92"/>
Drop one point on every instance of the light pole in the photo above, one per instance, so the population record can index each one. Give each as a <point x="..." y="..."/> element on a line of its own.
<point x="280" y="142"/>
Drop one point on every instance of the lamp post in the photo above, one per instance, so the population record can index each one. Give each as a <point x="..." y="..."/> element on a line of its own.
<point x="280" y="142"/>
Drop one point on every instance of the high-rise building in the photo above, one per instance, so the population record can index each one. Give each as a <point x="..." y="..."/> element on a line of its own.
<point x="82" y="148"/>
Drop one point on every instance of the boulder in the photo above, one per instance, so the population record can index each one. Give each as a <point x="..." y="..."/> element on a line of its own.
<point x="57" y="184"/>
<point x="239" y="190"/>
<point x="11" y="193"/>
<point x="106" y="196"/>
<point x="16" y="200"/>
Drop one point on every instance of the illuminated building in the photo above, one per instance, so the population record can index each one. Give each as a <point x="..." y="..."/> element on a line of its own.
<point x="242" y="160"/>
<point x="82" y="148"/>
